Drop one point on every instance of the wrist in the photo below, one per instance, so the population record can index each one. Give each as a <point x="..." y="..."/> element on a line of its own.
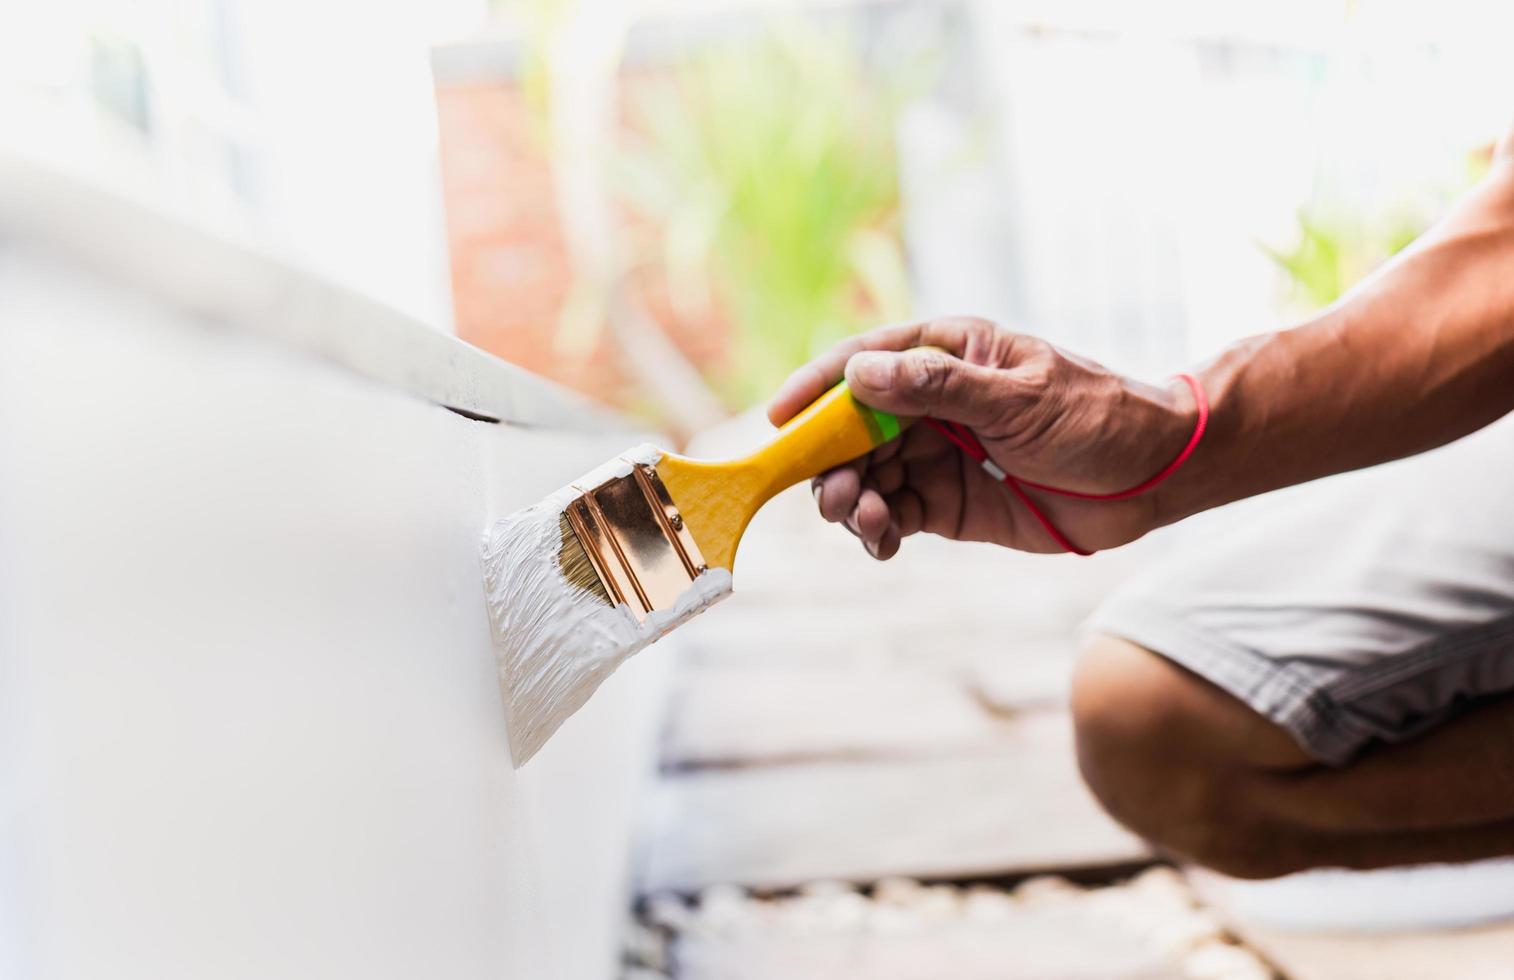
<point x="1172" y="423"/>
<point x="1204" y="480"/>
<point x="1168" y="498"/>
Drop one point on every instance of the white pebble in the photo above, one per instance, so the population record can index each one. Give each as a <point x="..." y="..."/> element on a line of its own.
<point x="1178" y="934"/>
<point x="670" y="912"/>
<point x="1223" y="961"/>
<point x="846" y="913"/>
<point x="987" y="905"/>
<point x="1164" y="882"/>
<point x="938" y="903"/>
<point x="830" y="913"/>
<point x="1046" y="889"/>
<point x="897" y="891"/>
<point x="724" y="908"/>
<point x="892" y="919"/>
<point x="645" y="946"/>
<point x="826" y="888"/>
<point x="722" y="896"/>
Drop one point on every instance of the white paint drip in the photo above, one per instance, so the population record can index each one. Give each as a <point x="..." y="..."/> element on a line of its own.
<point x="554" y="643"/>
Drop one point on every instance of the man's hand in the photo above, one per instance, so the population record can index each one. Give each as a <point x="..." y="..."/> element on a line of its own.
<point x="1418" y="354"/>
<point x="1043" y="415"/>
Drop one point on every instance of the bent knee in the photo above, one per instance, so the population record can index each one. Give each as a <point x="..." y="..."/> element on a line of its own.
<point x="1172" y="758"/>
<point x="1136" y="731"/>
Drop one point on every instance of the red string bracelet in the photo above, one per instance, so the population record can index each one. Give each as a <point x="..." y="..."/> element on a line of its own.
<point x="964" y="439"/>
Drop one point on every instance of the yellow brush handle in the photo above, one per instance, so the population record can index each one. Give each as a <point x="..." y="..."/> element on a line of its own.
<point x="834" y="429"/>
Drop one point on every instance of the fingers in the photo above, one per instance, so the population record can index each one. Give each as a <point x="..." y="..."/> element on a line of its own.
<point x="928" y="382"/>
<point x="908" y="511"/>
<point x="881" y="520"/>
<point x="871" y="519"/>
<point x="816" y="378"/>
<point x="845" y="496"/>
<point x="836" y="492"/>
<point x="969" y="338"/>
<point x="850" y="495"/>
<point x="888" y="545"/>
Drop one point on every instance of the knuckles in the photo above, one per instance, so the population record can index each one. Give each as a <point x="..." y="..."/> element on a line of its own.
<point x="1032" y="378"/>
<point x="927" y="375"/>
<point x="1035" y="393"/>
<point x="980" y="334"/>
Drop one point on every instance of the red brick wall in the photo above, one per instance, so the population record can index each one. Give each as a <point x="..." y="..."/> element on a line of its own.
<point x="510" y="271"/>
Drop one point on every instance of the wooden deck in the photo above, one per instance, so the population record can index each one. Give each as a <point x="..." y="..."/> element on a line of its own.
<point x="846" y="722"/>
<point x="824" y="724"/>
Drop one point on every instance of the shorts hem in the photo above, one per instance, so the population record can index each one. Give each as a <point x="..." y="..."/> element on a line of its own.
<point x="1283" y="695"/>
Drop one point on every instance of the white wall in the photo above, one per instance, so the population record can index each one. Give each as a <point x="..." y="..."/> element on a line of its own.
<point x="249" y="717"/>
<point x="309" y="125"/>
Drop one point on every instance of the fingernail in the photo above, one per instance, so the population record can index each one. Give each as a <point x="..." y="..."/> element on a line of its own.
<point x="872" y="370"/>
<point x="815" y="489"/>
<point x="871" y="546"/>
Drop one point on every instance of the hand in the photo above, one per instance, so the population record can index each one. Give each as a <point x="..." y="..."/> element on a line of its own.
<point x="1042" y="415"/>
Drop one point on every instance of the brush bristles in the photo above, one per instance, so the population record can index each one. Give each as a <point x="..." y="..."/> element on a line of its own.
<point x="575" y="564"/>
<point x="557" y="634"/>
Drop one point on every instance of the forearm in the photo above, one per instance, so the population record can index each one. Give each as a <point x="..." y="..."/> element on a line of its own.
<point x="1420" y="355"/>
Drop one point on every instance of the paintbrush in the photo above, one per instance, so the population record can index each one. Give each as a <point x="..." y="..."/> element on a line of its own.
<point x="608" y="564"/>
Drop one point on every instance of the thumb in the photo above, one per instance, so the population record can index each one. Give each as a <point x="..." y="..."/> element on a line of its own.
<point x="925" y="381"/>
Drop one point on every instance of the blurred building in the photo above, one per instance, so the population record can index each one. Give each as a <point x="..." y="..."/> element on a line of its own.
<point x="513" y="274"/>
<point x="1114" y="182"/>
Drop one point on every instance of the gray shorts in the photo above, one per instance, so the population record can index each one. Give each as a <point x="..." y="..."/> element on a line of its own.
<point x="1363" y="608"/>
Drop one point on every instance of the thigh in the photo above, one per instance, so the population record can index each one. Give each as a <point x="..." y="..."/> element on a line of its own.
<point x="1359" y="610"/>
<point x="1158" y="708"/>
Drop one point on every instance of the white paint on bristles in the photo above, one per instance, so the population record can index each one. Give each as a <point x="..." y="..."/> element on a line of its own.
<point x="555" y="643"/>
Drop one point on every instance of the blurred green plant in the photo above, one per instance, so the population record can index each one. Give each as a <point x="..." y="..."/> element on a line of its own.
<point x="769" y="165"/>
<point x="1337" y="248"/>
<point x="539" y="23"/>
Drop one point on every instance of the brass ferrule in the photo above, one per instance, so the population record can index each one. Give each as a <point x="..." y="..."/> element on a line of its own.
<point x="635" y="538"/>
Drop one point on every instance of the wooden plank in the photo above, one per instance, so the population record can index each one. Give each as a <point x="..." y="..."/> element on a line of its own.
<point x="1029" y="675"/>
<point x="792" y="710"/>
<point x="806" y="595"/>
<point x="805" y="633"/>
<point x="1018" y="807"/>
<point x="746" y="717"/>
<point x="1483" y="953"/>
<point x="1414" y="923"/>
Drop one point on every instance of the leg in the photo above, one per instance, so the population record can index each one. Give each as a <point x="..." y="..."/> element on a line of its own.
<point x="1202" y="775"/>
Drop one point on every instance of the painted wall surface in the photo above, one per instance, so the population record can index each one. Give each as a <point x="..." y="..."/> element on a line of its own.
<point x="249" y="715"/>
